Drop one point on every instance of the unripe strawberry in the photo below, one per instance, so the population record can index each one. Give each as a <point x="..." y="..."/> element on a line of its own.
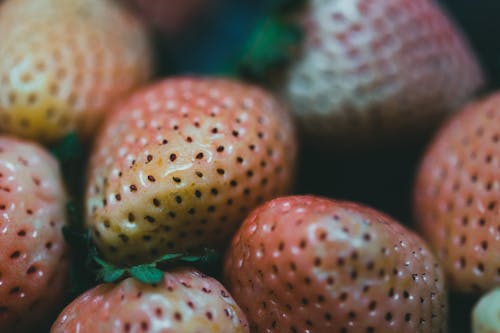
<point x="33" y="255"/>
<point x="64" y="62"/>
<point x="179" y="165"/>
<point x="308" y="264"/>
<point x="456" y="196"/>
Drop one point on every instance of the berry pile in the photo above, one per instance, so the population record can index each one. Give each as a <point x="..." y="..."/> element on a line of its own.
<point x="133" y="201"/>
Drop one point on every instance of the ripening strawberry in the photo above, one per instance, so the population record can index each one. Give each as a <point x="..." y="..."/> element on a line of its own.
<point x="373" y="70"/>
<point x="33" y="255"/>
<point x="169" y="17"/>
<point x="185" y="301"/>
<point x="486" y="313"/>
<point x="456" y="201"/>
<point x="64" y="62"/>
<point x="179" y="165"/>
<point x="308" y="264"/>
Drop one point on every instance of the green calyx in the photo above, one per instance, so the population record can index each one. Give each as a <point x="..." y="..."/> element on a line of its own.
<point x="270" y="49"/>
<point x="150" y="273"/>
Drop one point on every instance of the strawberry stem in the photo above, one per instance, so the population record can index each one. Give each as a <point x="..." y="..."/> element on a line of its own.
<point x="151" y="273"/>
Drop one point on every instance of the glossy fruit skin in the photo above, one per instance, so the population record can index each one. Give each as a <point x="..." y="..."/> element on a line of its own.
<point x="456" y="196"/>
<point x="66" y="64"/>
<point x="33" y="254"/>
<point x="179" y="165"/>
<point x="185" y="301"/>
<point x="309" y="264"/>
<point x="172" y="17"/>
<point x="374" y="71"/>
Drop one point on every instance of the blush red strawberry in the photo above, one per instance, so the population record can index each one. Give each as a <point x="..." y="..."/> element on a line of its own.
<point x="456" y="196"/>
<point x="184" y="301"/>
<point x="308" y="264"/>
<point x="33" y="254"/>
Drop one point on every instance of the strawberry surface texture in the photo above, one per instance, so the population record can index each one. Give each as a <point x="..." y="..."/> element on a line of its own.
<point x="33" y="254"/>
<point x="309" y="264"/>
<point x="64" y="62"/>
<point x="180" y="164"/>
<point x="370" y="71"/>
<point x="185" y="301"/>
<point x="456" y="196"/>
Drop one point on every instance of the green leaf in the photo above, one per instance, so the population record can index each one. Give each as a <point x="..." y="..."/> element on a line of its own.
<point x="101" y="262"/>
<point x="148" y="274"/>
<point x="169" y="257"/>
<point x="191" y="258"/>
<point x="269" y="49"/>
<point x="111" y="275"/>
<point x="107" y="272"/>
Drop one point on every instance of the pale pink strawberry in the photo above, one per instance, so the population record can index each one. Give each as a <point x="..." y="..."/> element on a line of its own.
<point x="456" y="201"/>
<point x="33" y="255"/>
<point x="308" y="264"/>
<point x="179" y="165"/>
<point x="378" y="70"/>
<point x="184" y="301"/>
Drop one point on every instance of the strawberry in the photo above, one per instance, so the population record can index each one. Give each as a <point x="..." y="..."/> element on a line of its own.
<point x="33" y="256"/>
<point x="309" y="264"/>
<point x="179" y="165"/>
<point x="456" y="196"/>
<point x="372" y="70"/>
<point x="486" y="313"/>
<point x="184" y="301"/>
<point x="169" y="17"/>
<point x="66" y="63"/>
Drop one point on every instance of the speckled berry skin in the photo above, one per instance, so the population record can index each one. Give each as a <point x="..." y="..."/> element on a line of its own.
<point x="179" y="165"/>
<point x="66" y="64"/>
<point x="372" y="71"/>
<point x="185" y="301"/>
<point x="456" y="196"/>
<point x="308" y="264"/>
<point x="33" y="255"/>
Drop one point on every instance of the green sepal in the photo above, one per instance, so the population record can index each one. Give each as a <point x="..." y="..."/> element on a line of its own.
<point x="210" y="256"/>
<point x="112" y="275"/>
<point x="191" y="259"/>
<point x="148" y="274"/>
<point x="169" y="257"/>
<point x="270" y="49"/>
